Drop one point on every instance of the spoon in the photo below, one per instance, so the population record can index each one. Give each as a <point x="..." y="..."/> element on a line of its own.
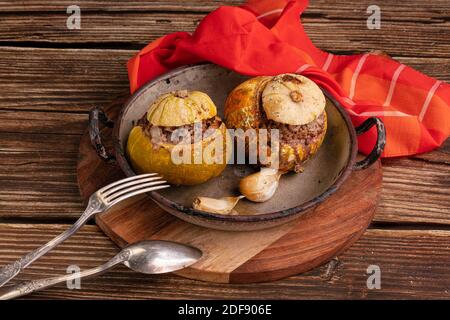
<point x="148" y="256"/>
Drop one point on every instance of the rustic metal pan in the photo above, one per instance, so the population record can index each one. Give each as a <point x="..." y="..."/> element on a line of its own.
<point x="297" y="193"/>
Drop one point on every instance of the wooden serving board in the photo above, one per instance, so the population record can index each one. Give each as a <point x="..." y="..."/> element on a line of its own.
<point x="238" y="257"/>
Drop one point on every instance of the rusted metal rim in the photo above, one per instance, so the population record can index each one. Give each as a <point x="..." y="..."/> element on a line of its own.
<point x="273" y="216"/>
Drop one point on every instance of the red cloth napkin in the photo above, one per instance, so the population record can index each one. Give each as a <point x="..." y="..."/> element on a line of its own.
<point x="265" y="37"/>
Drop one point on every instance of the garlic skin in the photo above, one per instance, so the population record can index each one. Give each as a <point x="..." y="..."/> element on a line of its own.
<point x="223" y="205"/>
<point x="260" y="186"/>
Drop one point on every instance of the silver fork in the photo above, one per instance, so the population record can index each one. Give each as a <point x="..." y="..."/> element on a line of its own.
<point x="99" y="201"/>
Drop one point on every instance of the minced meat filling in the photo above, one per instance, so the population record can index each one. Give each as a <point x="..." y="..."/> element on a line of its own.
<point x="294" y="135"/>
<point x="180" y="134"/>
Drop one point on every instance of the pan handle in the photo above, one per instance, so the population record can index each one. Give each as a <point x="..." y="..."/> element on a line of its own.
<point x="96" y="116"/>
<point x="379" y="145"/>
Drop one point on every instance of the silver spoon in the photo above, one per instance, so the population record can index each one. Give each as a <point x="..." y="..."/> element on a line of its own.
<point x="99" y="202"/>
<point x="150" y="257"/>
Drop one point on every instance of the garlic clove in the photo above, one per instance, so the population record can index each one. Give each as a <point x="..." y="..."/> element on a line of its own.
<point x="260" y="186"/>
<point x="223" y="205"/>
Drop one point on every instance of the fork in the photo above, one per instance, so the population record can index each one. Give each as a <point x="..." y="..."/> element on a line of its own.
<point x="99" y="202"/>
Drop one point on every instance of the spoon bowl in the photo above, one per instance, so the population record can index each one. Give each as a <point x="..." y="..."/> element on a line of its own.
<point x="153" y="257"/>
<point x="148" y="256"/>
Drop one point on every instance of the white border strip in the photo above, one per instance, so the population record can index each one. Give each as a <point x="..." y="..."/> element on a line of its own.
<point x="327" y="63"/>
<point x="379" y="113"/>
<point x="349" y="101"/>
<point x="356" y="74"/>
<point x="303" y="68"/>
<point x="428" y="99"/>
<point x="397" y="72"/>
<point x="385" y="114"/>
<point x="269" y="13"/>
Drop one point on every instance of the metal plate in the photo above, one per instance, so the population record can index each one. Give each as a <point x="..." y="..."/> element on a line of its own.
<point x="300" y="191"/>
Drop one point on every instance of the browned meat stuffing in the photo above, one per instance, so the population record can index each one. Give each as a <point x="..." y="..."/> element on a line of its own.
<point x="295" y="135"/>
<point x="180" y="134"/>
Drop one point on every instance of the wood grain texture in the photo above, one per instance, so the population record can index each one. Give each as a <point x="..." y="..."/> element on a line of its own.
<point x="47" y="175"/>
<point x="415" y="191"/>
<point x="61" y="80"/>
<point x="96" y="77"/>
<point x="33" y="139"/>
<point x="413" y="264"/>
<point x="74" y="76"/>
<point x="409" y="9"/>
<point x="135" y="30"/>
<point x="242" y="257"/>
<point x="115" y="6"/>
<point x="75" y="80"/>
<point x="441" y="155"/>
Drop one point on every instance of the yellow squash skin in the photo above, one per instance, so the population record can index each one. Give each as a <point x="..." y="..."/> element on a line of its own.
<point x="290" y="157"/>
<point x="146" y="157"/>
<point x="243" y="110"/>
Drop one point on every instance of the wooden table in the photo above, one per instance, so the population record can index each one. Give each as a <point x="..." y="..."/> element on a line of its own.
<point x="51" y="76"/>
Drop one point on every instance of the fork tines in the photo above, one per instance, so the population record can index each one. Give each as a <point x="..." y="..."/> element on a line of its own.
<point x="128" y="187"/>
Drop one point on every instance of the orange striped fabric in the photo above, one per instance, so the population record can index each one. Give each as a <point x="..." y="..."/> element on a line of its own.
<point x="266" y="38"/>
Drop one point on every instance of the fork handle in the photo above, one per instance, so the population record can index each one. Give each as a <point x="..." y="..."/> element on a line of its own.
<point x="36" y="285"/>
<point x="8" y="272"/>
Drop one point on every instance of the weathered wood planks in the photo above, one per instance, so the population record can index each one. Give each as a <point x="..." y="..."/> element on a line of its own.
<point x="397" y="37"/>
<point x="87" y="68"/>
<point x="75" y="80"/>
<point x="413" y="263"/>
<point x="38" y="161"/>
<point x="409" y="9"/>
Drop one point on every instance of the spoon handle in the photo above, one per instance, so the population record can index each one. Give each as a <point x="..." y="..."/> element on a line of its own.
<point x="35" y="285"/>
<point x="9" y="271"/>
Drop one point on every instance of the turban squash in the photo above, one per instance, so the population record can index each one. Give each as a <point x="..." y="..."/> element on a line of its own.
<point x="291" y="103"/>
<point x="151" y="146"/>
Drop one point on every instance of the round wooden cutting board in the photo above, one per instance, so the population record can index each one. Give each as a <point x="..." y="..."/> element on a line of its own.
<point x="238" y="257"/>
